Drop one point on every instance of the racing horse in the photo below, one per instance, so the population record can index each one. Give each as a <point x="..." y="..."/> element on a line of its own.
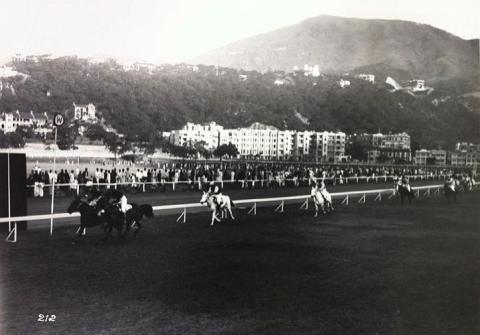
<point x="91" y="216"/>
<point x="134" y="216"/>
<point x="404" y="192"/>
<point x="225" y="209"/>
<point x="450" y="190"/>
<point x="322" y="199"/>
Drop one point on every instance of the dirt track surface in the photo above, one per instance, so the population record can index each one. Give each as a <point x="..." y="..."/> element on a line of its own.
<point x="373" y="268"/>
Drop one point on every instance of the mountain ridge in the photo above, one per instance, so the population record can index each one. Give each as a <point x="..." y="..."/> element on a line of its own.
<point x="343" y="44"/>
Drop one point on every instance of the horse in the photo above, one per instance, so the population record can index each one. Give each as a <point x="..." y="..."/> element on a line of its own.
<point x="134" y="216"/>
<point x="404" y="192"/>
<point x="450" y="191"/>
<point x="92" y="216"/>
<point x="324" y="200"/>
<point x="225" y="209"/>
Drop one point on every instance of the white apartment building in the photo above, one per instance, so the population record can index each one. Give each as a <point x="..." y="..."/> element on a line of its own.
<point x="258" y="140"/>
<point x="265" y="142"/>
<point x="301" y="143"/>
<point x="327" y="146"/>
<point x="192" y="133"/>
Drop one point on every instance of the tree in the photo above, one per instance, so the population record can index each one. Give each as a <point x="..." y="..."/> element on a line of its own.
<point x="229" y="150"/>
<point x="95" y="132"/>
<point x="115" y="144"/>
<point x="12" y="140"/>
<point x="201" y="148"/>
<point x="66" y="136"/>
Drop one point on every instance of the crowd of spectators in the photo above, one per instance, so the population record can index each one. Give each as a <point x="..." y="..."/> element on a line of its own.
<point x="198" y="175"/>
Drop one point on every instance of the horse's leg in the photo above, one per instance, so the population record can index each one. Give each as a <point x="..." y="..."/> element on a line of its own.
<point x="138" y="227"/>
<point x="229" y="208"/>
<point x="81" y="228"/>
<point x="316" y="210"/>
<point x="213" y="218"/>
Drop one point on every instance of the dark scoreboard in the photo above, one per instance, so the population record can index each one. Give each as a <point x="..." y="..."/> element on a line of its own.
<point x="18" y="188"/>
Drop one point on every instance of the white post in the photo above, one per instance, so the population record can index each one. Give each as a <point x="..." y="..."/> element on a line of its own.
<point x="253" y="209"/>
<point x="8" y="186"/>
<point x="53" y="182"/>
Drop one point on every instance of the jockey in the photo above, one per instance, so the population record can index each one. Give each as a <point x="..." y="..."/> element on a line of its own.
<point x="119" y="198"/>
<point x="450" y="183"/>
<point x="405" y="183"/>
<point x="322" y="189"/>
<point x="218" y="196"/>
<point x="93" y="197"/>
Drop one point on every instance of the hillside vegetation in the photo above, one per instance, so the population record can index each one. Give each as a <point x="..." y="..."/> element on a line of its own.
<point x="139" y="104"/>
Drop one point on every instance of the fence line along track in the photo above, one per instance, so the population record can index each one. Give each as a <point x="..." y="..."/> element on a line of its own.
<point x="243" y="183"/>
<point x="426" y="190"/>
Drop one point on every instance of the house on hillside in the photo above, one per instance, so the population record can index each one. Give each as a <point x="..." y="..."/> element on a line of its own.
<point x="85" y="113"/>
<point x="367" y="77"/>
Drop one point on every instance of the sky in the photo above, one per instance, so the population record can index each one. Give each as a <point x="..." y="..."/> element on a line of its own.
<point x="175" y="31"/>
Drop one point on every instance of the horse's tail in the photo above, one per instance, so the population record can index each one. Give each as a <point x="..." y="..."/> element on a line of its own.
<point x="231" y="203"/>
<point x="147" y="210"/>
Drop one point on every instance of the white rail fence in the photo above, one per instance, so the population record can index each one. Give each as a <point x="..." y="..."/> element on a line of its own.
<point x="280" y="202"/>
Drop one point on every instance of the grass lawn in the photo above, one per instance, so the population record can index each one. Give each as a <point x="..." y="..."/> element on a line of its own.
<point x="373" y="268"/>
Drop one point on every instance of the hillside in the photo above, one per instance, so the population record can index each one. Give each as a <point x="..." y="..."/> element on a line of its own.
<point x="345" y="44"/>
<point x="139" y="104"/>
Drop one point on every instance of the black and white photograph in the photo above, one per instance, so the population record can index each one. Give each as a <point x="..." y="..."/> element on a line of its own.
<point x="240" y="167"/>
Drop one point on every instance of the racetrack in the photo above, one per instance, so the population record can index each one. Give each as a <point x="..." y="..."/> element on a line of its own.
<point x="373" y="268"/>
<point x="42" y="205"/>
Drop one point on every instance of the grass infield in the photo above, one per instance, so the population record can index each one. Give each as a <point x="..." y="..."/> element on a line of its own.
<point x="373" y="268"/>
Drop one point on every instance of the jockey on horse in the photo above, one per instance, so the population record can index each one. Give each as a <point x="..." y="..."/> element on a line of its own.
<point x="451" y="183"/>
<point x="405" y="183"/>
<point x="119" y="199"/>
<point x="217" y="195"/>
<point x="321" y="197"/>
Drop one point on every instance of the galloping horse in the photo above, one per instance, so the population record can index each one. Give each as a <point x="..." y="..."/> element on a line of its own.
<point x="450" y="190"/>
<point x="322" y="199"/>
<point x="404" y="192"/>
<point x="225" y="208"/>
<point x="134" y="216"/>
<point x="92" y="216"/>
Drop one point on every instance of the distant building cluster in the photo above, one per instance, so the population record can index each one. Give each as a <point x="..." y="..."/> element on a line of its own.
<point x="10" y="122"/>
<point x="265" y="142"/>
<point x="464" y="155"/>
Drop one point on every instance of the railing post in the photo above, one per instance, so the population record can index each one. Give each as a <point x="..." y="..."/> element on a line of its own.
<point x="143" y="187"/>
<point x="183" y="216"/>
<point x="12" y="234"/>
<point x="253" y="209"/>
<point x="378" y="197"/>
<point x="78" y="189"/>
<point x="173" y="186"/>
<point x="280" y="207"/>
<point x="362" y="199"/>
<point x="345" y="200"/>
<point x="304" y="204"/>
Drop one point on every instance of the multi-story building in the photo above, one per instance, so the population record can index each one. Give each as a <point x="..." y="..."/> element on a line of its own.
<point x="327" y="146"/>
<point x="193" y="133"/>
<point x="265" y="142"/>
<point x="261" y="141"/>
<point x="426" y="157"/>
<point x="301" y="144"/>
<point x="84" y="112"/>
<point x="385" y="147"/>
<point x="9" y="122"/>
